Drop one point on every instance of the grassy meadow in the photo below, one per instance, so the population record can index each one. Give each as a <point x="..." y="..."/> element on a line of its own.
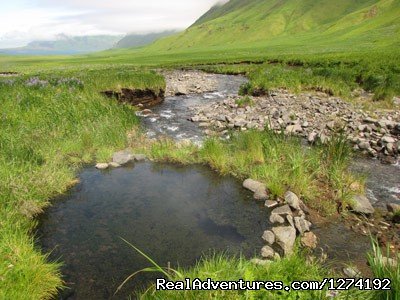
<point x="53" y="119"/>
<point x="50" y="125"/>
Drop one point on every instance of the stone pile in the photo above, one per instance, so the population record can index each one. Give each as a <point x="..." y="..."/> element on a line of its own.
<point x="289" y="218"/>
<point x="312" y="116"/>
<point x="189" y="82"/>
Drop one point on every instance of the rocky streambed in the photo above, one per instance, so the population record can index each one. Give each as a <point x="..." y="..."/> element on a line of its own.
<point x="314" y="116"/>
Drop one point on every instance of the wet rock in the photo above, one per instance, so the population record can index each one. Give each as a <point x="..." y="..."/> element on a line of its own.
<point x="102" y="166"/>
<point x="276" y="219"/>
<point x="283" y="210"/>
<point x="285" y="238"/>
<point x="269" y="237"/>
<point x="139" y="157"/>
<point x="122" y="157"/>
<point x="292" y="200"/>
<point x="309" y="240"/>
<point x="267" y="252"/>
<point x="351" y="272"/>
<point x="362" y="205"/>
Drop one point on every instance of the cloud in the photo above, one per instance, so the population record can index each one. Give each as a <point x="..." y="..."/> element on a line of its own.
<point x="46" y="18"/>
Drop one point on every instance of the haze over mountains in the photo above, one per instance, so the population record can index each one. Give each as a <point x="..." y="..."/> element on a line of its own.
<point x="64" y="44"/>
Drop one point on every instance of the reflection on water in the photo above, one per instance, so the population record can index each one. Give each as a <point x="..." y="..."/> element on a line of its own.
<point x="175" y="214"/>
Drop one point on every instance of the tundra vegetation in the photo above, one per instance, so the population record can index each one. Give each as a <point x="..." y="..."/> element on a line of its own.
<point x="54" y="119"/>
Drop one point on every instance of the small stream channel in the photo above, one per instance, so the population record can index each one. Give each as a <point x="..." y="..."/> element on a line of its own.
<point x="175" y="214"/>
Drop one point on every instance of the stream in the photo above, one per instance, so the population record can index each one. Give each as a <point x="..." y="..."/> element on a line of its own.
<point x="174" y="214"/>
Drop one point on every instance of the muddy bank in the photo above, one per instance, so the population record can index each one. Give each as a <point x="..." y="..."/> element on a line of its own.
<point x="135" y="97"/>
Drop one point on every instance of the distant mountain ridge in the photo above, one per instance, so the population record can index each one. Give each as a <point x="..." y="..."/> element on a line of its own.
<point x="66" y="45"/>
<point x="138" y="40"/>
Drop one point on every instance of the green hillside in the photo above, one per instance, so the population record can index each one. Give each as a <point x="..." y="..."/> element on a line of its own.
<point x="341" y="23"/>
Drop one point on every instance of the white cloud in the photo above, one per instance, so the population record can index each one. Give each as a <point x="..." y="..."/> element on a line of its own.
<point x="45" y="19"/>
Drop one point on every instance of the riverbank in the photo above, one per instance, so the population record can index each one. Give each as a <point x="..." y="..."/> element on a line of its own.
<point x="62" y="121"/>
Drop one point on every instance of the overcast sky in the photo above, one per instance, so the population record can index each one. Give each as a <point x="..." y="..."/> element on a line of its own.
<point x="22" y="21"/>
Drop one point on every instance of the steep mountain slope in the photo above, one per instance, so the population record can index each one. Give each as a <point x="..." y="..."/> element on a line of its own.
<point x="245" y="23"/>
<point x="66" y="45"/>
<point x="137" y="40"/>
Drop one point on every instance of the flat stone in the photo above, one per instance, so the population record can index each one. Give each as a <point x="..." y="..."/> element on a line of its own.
<point x="285" y="238"/>
<point x="139" y="157"/>
<point x="267" y="252"/>
<point x="102" y="166"/>
<point x="269" y="237"/>
<point x="292" y="199"/>
<point x="282" y="210"/>
<point x="122" y="157"/>
<point x="362" y="205"/>
<point x="276" y="219"/>
<point x="271" y="204"/>
<point x="309" y="240"/>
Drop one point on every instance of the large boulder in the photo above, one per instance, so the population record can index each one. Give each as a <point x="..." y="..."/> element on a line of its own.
<point x="285" y="238"/>
<point x="360" y="204"/>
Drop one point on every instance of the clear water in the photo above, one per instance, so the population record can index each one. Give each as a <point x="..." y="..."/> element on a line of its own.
<point x="175" y="214"/>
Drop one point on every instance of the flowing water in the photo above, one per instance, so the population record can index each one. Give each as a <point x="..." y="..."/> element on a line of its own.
<point x="175" y="214"/>
<point x="171" y="117"/>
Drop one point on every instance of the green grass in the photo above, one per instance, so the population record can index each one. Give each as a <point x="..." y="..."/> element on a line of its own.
<point x="47" y="130"/>
<point x="382" y="270"/>
<point x="220" y="267"/>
